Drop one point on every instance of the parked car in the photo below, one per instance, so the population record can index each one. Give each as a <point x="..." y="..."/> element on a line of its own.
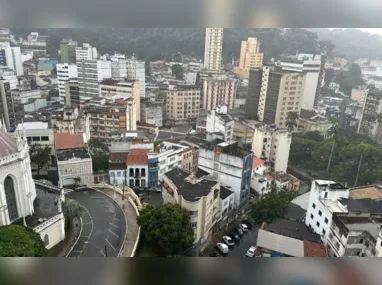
<point x="243" y="227"/>
<point x="222" y="247"/>
<point x="235" y="236"/>
<point x="248" y="223"/>
<point x="228" y="241"/>
<point x="215" y="253"/>
<point x="251" y="251"/>
<point x="238" y="231"/>
<point x="155" y="189"/>
<point x="141" y="195"/>
<point x="137" y="189"/>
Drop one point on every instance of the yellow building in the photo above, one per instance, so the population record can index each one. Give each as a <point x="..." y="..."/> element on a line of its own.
<point x="250" y="55"/>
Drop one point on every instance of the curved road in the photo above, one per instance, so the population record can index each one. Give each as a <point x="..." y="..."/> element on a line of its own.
<point x="104" y="225"/>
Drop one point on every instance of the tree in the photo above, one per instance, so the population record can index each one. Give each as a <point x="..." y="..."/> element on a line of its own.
<point x="77" y="181"/>
<point x="99" y="152"/>
<point x="71" y="208"/>
<point x="177" y="71"/>
<point x="272" y="205"/>
<point x="350" y="78"/>
<point x="19" y="241"/>
<point x="291" y="121"/>
<point x="40" y="156"/>
<point x="167" y="226"/>
<point x="329" y="75"/>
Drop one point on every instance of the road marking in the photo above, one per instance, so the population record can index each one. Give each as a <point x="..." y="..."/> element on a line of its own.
<point x="110" y="244"/>
<point x="113" y="225"/>
<point x="102" y="253"/>
<point x="85" y="237"/>
<point x="114" y="218"/>
<point x="80" y="251"/>
<point x="114" y="234"/>
<point x="87" y="223"/>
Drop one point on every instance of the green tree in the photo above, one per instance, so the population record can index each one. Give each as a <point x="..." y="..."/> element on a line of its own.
<point x="19" y="241"/>
<point x="167" y="227"/>
<point x="350" y="78"/>
<point x="77" y="182"/>
<point x="99" y="152"/>
<point x="272" y="205"/>
<point x="177" y="71"/>
<point x="71" y="209"/>
<point x="40" y="156"/>
<point x="292" y="121"/>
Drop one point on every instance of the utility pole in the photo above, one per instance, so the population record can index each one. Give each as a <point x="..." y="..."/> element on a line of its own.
<point x="359" y="168"/>
<point x="330" y="158"/>
<point x="105" y="250"/>
<point x="123" y="189"/>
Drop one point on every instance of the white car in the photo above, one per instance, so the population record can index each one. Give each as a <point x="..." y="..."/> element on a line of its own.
<point x="243" y="227"/>
<point x="228" y="241"/>
<point x="223" y="248"/>
<point x="251" y="251"/>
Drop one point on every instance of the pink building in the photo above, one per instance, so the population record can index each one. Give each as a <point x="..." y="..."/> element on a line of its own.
<point x="358" y="94"/>
<point x="218" y="91"/>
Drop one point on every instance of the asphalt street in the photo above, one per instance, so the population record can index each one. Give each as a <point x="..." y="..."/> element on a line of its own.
<point x="104" y="225"/>
<point x="249" y="239"/>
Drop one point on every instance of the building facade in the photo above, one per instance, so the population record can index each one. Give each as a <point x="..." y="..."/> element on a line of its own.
<point x="136" y="71"/>
<point x="182" y="104"/>
<point x="310" y="121"/>
<point x="65" y="72"/>
<point x="90" y="73"/>
<point x="250" y="55"/>
<point x="7" y="111"/>
<point x="35" y="44"/>
<point x="219" y="121"/>
<point x="151" y="112"/>
<point x="213" y="49"/>
<point x="218" y="91"/>
<point x="11" y="58"/>
<point x="86" y="52"/>
<point x="68" y="51"/>
<point x="272" y="144"/>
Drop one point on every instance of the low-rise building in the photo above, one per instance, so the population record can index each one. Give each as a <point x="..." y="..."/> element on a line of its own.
<point x="74" y="162"/>
<point x="227" y="204"/>
<point x="201" y="197"/>
<point x="152" y="112"/>
<point x="311" y="121"/>
<point x="272" y="144"/>
<point x="219" y="121"/>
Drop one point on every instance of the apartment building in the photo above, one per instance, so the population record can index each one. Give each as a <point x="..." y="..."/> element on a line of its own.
<point x="182" y="104"/>
<point x="90" y="73"/>
<point x="250" y="55"/>
<point x="151" y="112"/>
<point x="201" y="197"/>
<point x="72" y="120"/>
<point x="217" y="91"/>
<point x="35" y="44"/>
<point x="323" y="202"/>
<point x="272" y="144"/>
<point x="65" y="72"/>
<point x="72" y="93"/>
<point x="213" y="49"/>
<point x="21" y="97"/>
<point x="231" y="164"/>
<point x="11" y="58"/>
<point x="7" y="111"/>
<point x="273" y="93"/>
<point x="219" y="121"/>
<point x="118" y="67"/>
<point x="73" y="159"/>
<point x="136" y="70"/>
<point x="9" y="74"/>
<point x="86" y="52"/>
<point x="68" y="51"/>
<point x="310" y="65"/>
<point x="122" y="89"/>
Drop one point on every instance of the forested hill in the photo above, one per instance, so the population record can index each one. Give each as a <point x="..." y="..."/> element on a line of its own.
<point x="352" y="43"/>
<point x="162" y="43"/>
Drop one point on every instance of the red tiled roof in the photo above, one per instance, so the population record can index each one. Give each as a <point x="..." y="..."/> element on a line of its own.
<point x="137" y="157"/>
<point x="269" y="177"/>
<point x="143" y="124"/>
<point x="118" y="156"/>
<point x="313" y="249"/>
<point x="257" y="162"/>
<point x="69" y="141"/>
<point x="117" y="166"/>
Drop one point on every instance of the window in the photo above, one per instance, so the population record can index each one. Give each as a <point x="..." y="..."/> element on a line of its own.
<point x="314" y="206"/>
<point x="318" y="224"/>
<point x="143" y="172"/>
<point x="193" y="225"/>
<point x="311" y="216"/>
<point x="366" y="244"/>
<point x="361" y="241"/>
<point x="44" y="139"/>
<point x="323" y="232"/>
<point x="119" y="174"/>
<point x="193" y="213"/>
<point x="36" y="139"/>
<point x="320" y="213"/>
<point x="326" y="220"/>
<point x="326" y="195"/>
<point x="131" y="172"/>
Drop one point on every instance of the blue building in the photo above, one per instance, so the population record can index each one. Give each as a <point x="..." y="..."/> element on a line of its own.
<point x="153" y="165"/>
<point x="3" y="59"/>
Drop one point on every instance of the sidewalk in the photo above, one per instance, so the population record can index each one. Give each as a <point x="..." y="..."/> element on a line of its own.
<point x="71" y="239"/>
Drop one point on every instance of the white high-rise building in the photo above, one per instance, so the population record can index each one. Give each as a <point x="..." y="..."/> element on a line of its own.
<point x="272" y="144"/>
<point x="86" y="52"/>
<point x="213" y="49"/>
<point x="9" y="74"/>
<point x="218" y="120"/>
<point x="65" y="72"/>
<point x="12" y="58"/>
<point x="90" y="73"/>
<point x="118" y="68"/>
<point x="136" y="70"/>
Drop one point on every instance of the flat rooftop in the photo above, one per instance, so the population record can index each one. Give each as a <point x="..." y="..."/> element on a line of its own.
<point x="230" y="148"/>
<point x="371" y="192"/>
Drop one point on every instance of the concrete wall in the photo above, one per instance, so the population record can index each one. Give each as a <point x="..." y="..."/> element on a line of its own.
<point x="52" y="230"/>
<point x="68" y="170"/>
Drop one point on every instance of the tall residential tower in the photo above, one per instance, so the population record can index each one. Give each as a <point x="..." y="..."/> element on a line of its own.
<point x="213" y="49"/>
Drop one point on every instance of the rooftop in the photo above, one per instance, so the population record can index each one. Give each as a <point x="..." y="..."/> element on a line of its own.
<point x="8" y="144"/>
<point x="257" y="162"/>
<point x="200" y="173"/>
<point x="287" y="228"/>
<point x="372" y="228"/>
<point x="331" y="184"/>
<point x="333" y="206"/>
<point x="33" y="126"/>
<point x="312" y="249"/>
<point x="190" y="192"/>
<point x="302" y="200"/>
<point x="230" y="148"/>
<point x="363" y="205"/>
<point x="225" y="192"/>
<point x="372" y="192"/>
<point x="69" y="141"/>
<point x="283" y="177"/>
<point x="294" y="212"/>
<point x="137" y="156"/>
<point x="118" y="156"/>
<point x="163" y="135"/>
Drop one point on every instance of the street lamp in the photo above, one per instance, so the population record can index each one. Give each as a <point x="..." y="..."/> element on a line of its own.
<point x="188" y="249"/>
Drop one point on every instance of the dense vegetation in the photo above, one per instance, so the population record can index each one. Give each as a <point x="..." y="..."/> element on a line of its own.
<point x="99" y="152"/>
<point x="19" y="241"/>
<point x="167" y="227"/>
<point x="159" y="43"/>
<point x="347" y="79"/>
<point x="310" y="154"/>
